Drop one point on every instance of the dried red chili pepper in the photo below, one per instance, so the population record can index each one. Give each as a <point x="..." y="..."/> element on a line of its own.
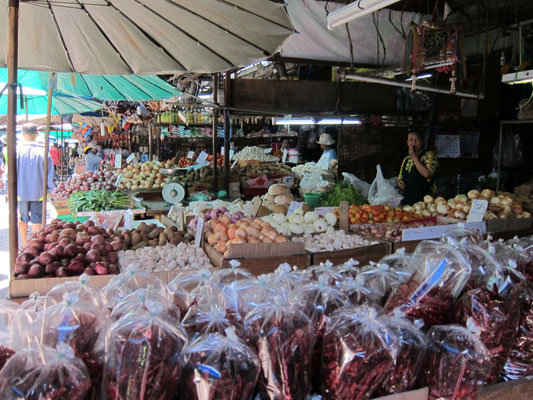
<point x="282" y="336"/>
<point x="5" y="354"/>
<point x="494" y="320"/>
<point x="456" y="365"/>
<point x="359" y="352"/>
<point x="219" y="367"/>
<point x="142" y="358"/>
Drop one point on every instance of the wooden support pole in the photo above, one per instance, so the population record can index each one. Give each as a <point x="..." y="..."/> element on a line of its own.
<point x="47" y="145"/>
<point x="12" y="61"/>
<point x="215" y="118"/>
<point x="227" y="127"/>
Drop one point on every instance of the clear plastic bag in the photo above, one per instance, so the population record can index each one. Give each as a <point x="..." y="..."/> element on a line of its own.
<point x="144" y="300"/>
<point x="314" y="182"/>
<point x="203" y="319"/>
<point x="81" y="288"/>
<point x="245" y="295"/>
<point x="22" y="324"/>
<point x="379" y="279"/>
<point x="142" y="358"/>
<point x="460" y="233"/>
<point x="349" y="269"/>
<point x="410" y="359"/>
<point x="362" y="186"/>
<point x="519" y="364"/>
<point x="324" y="271"/>
<point x="356" y="291"/>
<point x="287" y="278"/>
<point x="399" y="263"/>
<point x="440" y="274"/>
<point x="356" y="342"/>
<point x="193" y="286"/>
<point x="382" y="192"/>
<point x="128" y="282"/>
<point x="219" y="366"/>
<point x="457" y="363"/>
<point x="514" y="263"/>
<point x="43" y="373"/>
<point x="484" y="269"/>
<point x="228" y="275"/>
<point x="283" y="337"/>
<point x="8" y="311"/>
<point x="493" y="316"/>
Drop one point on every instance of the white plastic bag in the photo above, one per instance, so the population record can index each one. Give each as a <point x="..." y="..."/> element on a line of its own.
<point x="382" y="192"/>
<point x="362" y="186"/>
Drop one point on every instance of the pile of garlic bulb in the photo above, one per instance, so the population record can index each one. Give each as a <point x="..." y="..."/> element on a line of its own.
<point x="254" y="153"/>
<point x="337" y="240"/>
<point x="164" y="258"/>
<point x="301" y="222"/>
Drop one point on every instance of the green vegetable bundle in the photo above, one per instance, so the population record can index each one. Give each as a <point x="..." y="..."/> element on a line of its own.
<point x="99" y="200"/>
<point x="333" y="197"/>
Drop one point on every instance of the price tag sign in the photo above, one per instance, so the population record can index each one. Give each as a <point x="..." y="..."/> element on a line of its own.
<point x="199" y="232"/>
<point x="130" y="158"/>
<point x="294" y="206"/>
<point x="202" y="157"/>
<point x="119" y="179"/>
<point x="477" y="210"/>
<point x="284" y="156"/>
<point x="344" y="222"/>
<point x="234" y="162"/>
<point x="268" y="151"/>
<point x="231" y="152"/>
<point x="118" y="161"/>
<point x="190" y="155"/>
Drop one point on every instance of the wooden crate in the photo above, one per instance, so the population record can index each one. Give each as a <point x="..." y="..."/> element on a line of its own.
<point x="259" y="265"/>
<point x="364" y="254"/>
<point x="513" y="390"/>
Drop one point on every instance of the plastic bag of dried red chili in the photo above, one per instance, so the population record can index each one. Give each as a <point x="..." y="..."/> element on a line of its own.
<point x="493" y="316"/>
<point x="461" y="233"/>
<point x="142" y="357"/>
<point x="205" y="318"/>
<point x="359" y="352"/>
<point x="191" y="286"/>
<point x="380" y="279"/>
<point x="219" y="366"/>
<point x="283" y="337"/>
<point x="457" y="363"/>
<point x="484" y="267"/>
<point x="413" y="343"/>
<point x="399" y="263"/>
<point x="440" y="274"/>
<point x="319" y="301"/>
<point x="82" y="288"/>
<point x="519" y="364"/>
<point x="511" y="259"/>
<point x="324" y="269"/>
<point x="42" y="372"/>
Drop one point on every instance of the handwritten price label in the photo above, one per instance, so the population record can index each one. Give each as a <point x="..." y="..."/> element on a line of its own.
<point x="130" y="158"/>
<point x="477" y="210"/>
<point x="199" y="232"/>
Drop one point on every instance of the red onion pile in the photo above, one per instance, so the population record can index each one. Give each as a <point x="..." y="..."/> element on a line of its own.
<point x="84" y="182"/>
<point x="64" y="249"/>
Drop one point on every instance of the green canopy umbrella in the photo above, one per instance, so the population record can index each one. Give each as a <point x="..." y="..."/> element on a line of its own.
<point x="105" y="87"/>
<point x="61" y="104"/>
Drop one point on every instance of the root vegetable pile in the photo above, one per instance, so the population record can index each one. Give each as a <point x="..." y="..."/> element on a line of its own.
<point x="84" y="182"/>
<point x="152" y="235"/>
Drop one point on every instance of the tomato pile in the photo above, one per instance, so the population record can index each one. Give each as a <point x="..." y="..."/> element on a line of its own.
<point x="367" y="214"/>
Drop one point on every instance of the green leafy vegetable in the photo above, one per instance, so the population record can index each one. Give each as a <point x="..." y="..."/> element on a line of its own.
<point x="99" y="200"/>
<point x="333" y="197"/>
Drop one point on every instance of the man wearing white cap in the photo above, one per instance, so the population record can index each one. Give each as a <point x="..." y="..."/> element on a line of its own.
<point x="326" y="143"/>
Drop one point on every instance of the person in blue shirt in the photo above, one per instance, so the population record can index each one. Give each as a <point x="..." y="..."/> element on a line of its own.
<point x="92" y="159"/>
<point x="30" y="179"/>
<point x="329" y="154"/>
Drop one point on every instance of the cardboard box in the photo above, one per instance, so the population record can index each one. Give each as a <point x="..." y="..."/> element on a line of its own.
<point x="364" y="254"/>
<point x="61" y="207"/>
<point x="420" y="394"/>
<point x="512" y="390"/>
<point x="25" y="287"/>
<point x="261" y="258"/>
<point x="509" y="224"/>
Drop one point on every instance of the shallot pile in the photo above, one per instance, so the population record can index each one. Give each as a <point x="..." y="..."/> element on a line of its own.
<point x="84" y="182"/>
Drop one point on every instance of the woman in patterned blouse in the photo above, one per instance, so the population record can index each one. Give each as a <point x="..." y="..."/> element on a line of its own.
<point x="418" y="170"/>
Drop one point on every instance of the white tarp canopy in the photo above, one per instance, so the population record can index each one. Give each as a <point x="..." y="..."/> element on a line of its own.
<point x="316" y="42"/>
<point x="144" y="36"/>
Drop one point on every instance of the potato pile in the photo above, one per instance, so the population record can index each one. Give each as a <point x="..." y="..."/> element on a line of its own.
<point x="278" y="199"/>
<point x="152" y="235"/>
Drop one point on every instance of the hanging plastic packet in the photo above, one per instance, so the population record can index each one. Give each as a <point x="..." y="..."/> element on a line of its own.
<point x="440" y="274"/>
<point x="219" y="366"/>
<point x="283" y="337"/>
<point x="142" y="354"/>
<point x="356" y="341"/>
<point x="457" y="363"/>
<point x="42" y="372"/>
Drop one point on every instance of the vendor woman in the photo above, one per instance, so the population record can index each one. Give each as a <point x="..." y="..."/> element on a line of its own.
<point x="329" y="154"/>
<point x="417" y="173"/>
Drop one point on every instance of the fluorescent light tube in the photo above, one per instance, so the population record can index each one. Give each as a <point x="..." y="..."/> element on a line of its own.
<point x="518" y="77"/>
<point x="339" y="121"/>
<point x="295" y="121"/>
<point x="355" y="10"/>
<point x="420" y="77"/>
